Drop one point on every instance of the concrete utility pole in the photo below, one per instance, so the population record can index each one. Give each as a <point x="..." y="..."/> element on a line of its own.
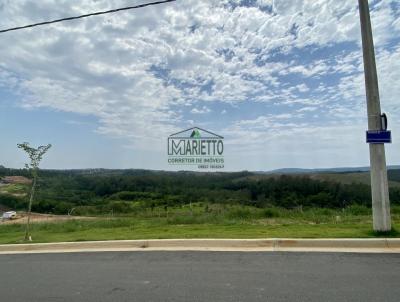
<point x="379" y="181"/>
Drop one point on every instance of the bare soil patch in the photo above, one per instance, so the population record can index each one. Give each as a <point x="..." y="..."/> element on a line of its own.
<point x="16" y="180"/>
<point x="41" y="218"/>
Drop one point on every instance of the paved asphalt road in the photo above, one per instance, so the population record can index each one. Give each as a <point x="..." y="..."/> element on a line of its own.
<point x="200" y="276"/>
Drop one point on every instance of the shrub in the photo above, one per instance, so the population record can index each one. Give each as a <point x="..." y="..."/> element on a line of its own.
<point x="239" y="213"/>
<point x="358" y="210"/>
<point x="119" y="207"/>
<point x="322" y="199"/>
<point x="395" y="210"/>
<point x="271" y="213"/>
<point x="12" y="201"/>
<point x="63" y="208"/>
<point x="195" y="219"/>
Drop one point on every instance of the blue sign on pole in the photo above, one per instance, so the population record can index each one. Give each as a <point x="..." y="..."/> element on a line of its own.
<point x="379" y="136"/>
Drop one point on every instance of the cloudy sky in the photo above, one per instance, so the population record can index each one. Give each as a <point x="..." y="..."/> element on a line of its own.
<point x="281" y="80"/>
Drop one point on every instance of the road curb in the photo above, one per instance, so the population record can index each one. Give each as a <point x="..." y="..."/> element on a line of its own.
<point x="381" y="245"/>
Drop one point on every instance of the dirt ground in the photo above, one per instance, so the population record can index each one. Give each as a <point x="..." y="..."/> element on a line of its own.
<point x="36" y="217"/>
<point x="16" y="180"/>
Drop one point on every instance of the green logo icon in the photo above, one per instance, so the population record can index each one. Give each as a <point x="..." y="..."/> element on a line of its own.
<point x="195" y="134"/>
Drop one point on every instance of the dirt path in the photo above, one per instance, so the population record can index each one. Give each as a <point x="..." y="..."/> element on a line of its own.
<point x="36" y="217"/>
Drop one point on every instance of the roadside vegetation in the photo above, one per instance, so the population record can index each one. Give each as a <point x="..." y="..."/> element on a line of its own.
<point x="208" y="221"/>
<point x="135" y="204"/>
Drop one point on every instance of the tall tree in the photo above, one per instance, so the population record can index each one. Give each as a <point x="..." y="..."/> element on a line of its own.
<point x="35" y="155"/>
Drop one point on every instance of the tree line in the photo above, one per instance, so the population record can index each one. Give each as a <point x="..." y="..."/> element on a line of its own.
<point x="99" y="191"/>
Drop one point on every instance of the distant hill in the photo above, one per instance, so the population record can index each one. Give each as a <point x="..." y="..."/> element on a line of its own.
<point x="394" y="175"/>
<point x="328" y="170"/>
<point x="342" y="175"/>
<point x="394" y="172"/>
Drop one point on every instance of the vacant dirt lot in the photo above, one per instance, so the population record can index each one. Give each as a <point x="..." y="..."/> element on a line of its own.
<point x="15" y="180"/>
<point x="36" y="217"/>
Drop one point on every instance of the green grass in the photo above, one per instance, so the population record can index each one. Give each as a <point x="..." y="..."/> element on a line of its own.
<point x="217" y="221"/>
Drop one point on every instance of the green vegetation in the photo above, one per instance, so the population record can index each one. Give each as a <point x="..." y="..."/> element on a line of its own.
<point x="15" y="189"/>
<point x="394" y="175"/>
<point x="209" y="221"/>
<point x="133" y="204"/>
<point x="98" y="192"/>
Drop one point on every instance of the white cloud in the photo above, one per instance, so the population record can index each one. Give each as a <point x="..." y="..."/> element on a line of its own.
<point x="202" y="110"/>
<point x="132" y="70"/>
<point x="303" y="88"/>
<point x="307" y="109"/>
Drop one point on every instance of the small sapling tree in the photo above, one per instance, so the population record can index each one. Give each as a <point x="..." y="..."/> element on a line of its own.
<point x="35" y="155"/>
